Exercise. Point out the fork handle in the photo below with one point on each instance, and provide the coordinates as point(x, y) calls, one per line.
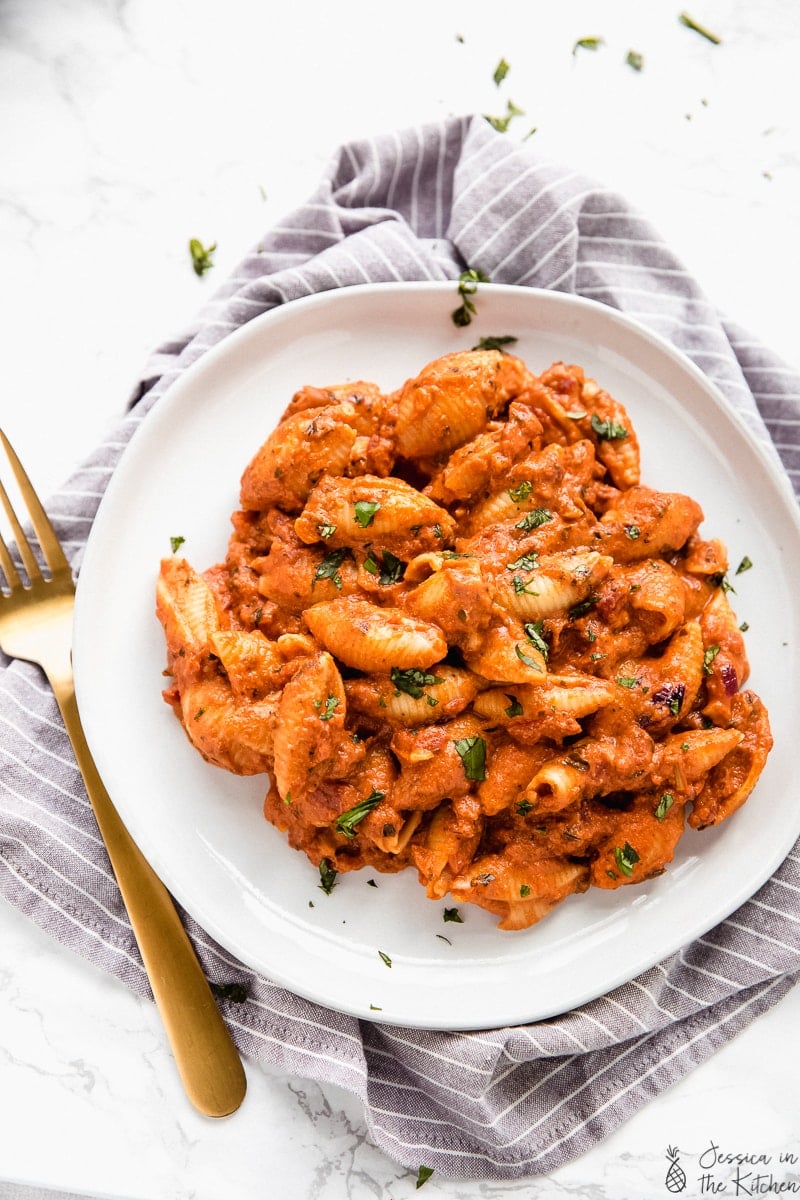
point(206, 1057)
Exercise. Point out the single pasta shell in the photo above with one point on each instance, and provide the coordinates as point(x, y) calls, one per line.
point(310, 720)
point(554, 586)
point(371, 510)
point(452, 398)
point(378, 697)
point(236, 737)
point(586, 696)
point(251, 661)
point(369, 638)
point(186, 607)
point(295, 455)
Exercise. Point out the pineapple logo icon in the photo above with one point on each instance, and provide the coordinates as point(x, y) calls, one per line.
point(676, 1176)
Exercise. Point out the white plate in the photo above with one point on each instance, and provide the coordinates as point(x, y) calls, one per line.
point(203, 829)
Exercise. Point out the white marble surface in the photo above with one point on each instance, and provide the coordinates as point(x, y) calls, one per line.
point(128, 126)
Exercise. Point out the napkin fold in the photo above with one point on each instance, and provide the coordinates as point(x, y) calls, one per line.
point(426, 203)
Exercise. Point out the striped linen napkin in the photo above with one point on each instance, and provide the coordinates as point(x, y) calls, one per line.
point(500, 1104)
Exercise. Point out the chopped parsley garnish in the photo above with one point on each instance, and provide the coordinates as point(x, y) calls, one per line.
point(467, 287)
point(525, 890)
point(626, 858)
point(452, 914)
point(690, 23)
point(521, 491)
point(412, 681)
point(176, 543)
point(525, 562)
point(587, 43)
point(500, 71)
point(202, 256)
point(501, 124)
point(533, 519)
point(635, 60)
point(627, 681)
point(582, 607)
point(744, 565)
point(385, 958)
point(609, 430)
point(472, 752)
point(708, 658)
point(423, 1175)
point(327, 876)
point(494, 343)
point(520, 587)
point(326, 531)
point(331, 704)
point(329, 567)
point(632, 531)
point(388, 571)
point(514, 709)
point(534, 632)
point(347, 821)
point(524, 807)
point(524, 657)
point(364, 511)
point(664, 805)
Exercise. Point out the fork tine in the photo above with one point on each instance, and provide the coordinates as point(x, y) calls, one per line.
point(48, 541)
point(7, 564)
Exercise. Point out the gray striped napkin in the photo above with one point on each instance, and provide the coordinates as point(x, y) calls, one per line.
point(423, 204)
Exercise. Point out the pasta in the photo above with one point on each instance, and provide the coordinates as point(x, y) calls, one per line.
point(459, 634)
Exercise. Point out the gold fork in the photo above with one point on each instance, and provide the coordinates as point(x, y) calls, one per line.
point(36, 624)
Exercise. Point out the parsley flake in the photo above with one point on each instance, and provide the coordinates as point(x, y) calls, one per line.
point(514, 709)
point(423, 1175)
point(412, 681)
point(521, 491)
point(494, 343)
point(331, 704)
point(690, 23)
point(524, 657)
point(525, 562)
point(472, 752)
point(609, 430)
point(347, 821)
point(744, 565)
point(467, 287)
point(176, 543)
point(385, 958)
point(328, 568)
point(364, 511)
point(533, 519)
point(327, 877)
point(588, 43)
point(665, 803)
point(626, 858)
point(534, 632)
point(501, 124)
point(635, 60)
point(452, 914)
point(500, 71)
point(202, 256)
point(708, 658)
point(389, 570)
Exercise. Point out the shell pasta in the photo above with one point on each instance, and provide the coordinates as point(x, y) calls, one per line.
point(458, 634)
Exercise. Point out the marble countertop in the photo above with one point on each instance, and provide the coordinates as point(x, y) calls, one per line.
point(127, 127)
